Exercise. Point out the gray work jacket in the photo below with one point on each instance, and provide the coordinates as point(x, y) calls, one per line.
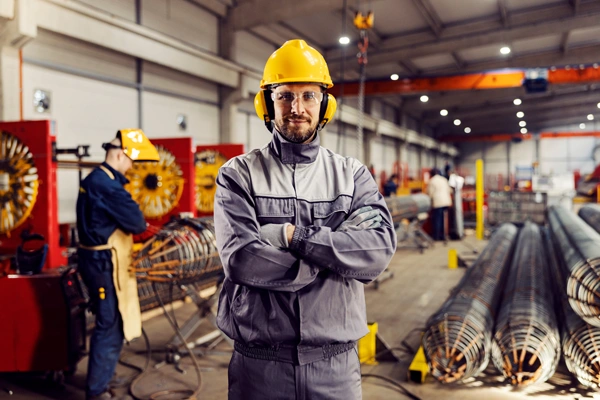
point(312, 293)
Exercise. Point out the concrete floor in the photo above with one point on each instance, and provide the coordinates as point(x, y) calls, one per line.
point(401, 307)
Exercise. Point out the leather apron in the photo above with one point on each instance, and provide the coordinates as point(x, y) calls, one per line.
point(121, 244)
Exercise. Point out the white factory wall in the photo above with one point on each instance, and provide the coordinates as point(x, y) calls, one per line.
point(556, 155)
point(86, 111)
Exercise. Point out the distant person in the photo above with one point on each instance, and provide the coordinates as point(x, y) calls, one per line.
point(447, 170)
point(391, 186)
point(441, 198)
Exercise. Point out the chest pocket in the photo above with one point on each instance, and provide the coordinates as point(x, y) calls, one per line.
point(273, 210)
point(332, 213)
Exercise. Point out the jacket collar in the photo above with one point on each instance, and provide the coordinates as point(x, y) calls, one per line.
point(119, 177)
point(294, 153)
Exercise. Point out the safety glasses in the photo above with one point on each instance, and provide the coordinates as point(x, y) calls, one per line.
point(308, 99)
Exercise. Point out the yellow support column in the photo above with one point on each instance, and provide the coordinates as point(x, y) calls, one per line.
point(479, 198)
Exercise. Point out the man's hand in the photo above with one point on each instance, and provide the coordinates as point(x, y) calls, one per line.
point(363, 218)
point(277, 234)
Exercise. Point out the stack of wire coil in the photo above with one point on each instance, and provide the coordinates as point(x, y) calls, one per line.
point(457, 339)
point(591, 215)
point(408, 207)
point(183, 252)
point(526, 345)
point(578, 246)
point(580, 341)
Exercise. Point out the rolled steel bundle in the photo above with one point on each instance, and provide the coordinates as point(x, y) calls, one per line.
point(591, 215)
point(526, 345)
point(183, 251)
point(578, 246)
point(457, 339)
point(580, 341)
point(408, 207)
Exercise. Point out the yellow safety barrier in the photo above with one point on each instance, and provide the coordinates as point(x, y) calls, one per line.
point(452, 259)
point(418, 369)
point(367, 346)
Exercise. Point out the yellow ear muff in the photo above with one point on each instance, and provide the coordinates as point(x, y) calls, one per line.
point(330, 109)
point(260, 106)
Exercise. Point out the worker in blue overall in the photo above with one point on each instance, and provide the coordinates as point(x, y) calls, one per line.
point(300, 230)
point(107, 217)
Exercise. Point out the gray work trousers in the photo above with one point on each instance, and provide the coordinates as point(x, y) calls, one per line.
point(335, 378)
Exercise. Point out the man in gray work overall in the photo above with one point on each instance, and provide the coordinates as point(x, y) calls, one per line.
point(300, 230)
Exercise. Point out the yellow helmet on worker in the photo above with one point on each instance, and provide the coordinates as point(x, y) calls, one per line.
point(294, 62)
point(135, 145)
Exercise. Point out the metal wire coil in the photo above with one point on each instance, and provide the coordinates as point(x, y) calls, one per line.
point(578, 246)
point(526, 345)
point(457, 339)
point(408, 207)
point(183, 251)
point(580, 340)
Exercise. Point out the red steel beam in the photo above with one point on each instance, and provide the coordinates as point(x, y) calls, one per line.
point(505, 137)
point(475, 81)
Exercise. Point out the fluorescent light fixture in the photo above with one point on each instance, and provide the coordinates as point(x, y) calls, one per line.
point(522, 124)
point(344, 40)
point(457, 122)
point(467, 130)
point(443, 112)
point(590, 117)
point(424, 99)
point(517, 102)
point(505, 50)
point(394, 77)
point(520, 114)
point(523, 130)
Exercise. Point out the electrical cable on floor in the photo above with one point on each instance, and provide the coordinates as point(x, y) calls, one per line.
point(397, 384)
point(187, 394)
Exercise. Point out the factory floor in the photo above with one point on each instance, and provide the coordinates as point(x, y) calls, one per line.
point(400, 306)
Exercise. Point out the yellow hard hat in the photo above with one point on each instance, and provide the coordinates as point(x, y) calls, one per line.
point(137, 146)
point(296, 62)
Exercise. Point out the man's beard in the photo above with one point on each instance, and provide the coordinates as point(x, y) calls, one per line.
point(295, 133)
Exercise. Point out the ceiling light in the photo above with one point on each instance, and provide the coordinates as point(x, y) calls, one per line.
point(467, 130)
point(520, 114)
point(444, 112)
point(505, 50)
point(394, 77)
point(344, 40)
point(424, 99)
point(598, 105)
point(517, 102)
point(457, 122)
point(590, 117)
point(582, 126)
point(523, 130)
point(522, 123)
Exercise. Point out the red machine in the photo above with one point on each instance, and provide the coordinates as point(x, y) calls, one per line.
point(166, 188)
point(209, 158)
point(43, 322)
point(28, 196)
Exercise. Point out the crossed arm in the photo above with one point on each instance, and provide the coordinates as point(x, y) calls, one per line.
point(357, 251)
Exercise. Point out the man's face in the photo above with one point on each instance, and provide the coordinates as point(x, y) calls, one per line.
point(297, 108)
point(125, 163)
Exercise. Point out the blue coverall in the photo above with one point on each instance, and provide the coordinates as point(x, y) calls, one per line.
point(103, 206)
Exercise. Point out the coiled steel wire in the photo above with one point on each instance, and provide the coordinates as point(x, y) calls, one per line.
point(591, 215)
point(457, 339)
point(578, 246)
point(526, 345)
point(580, 341)
point(183, 252)
point(408, 207)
